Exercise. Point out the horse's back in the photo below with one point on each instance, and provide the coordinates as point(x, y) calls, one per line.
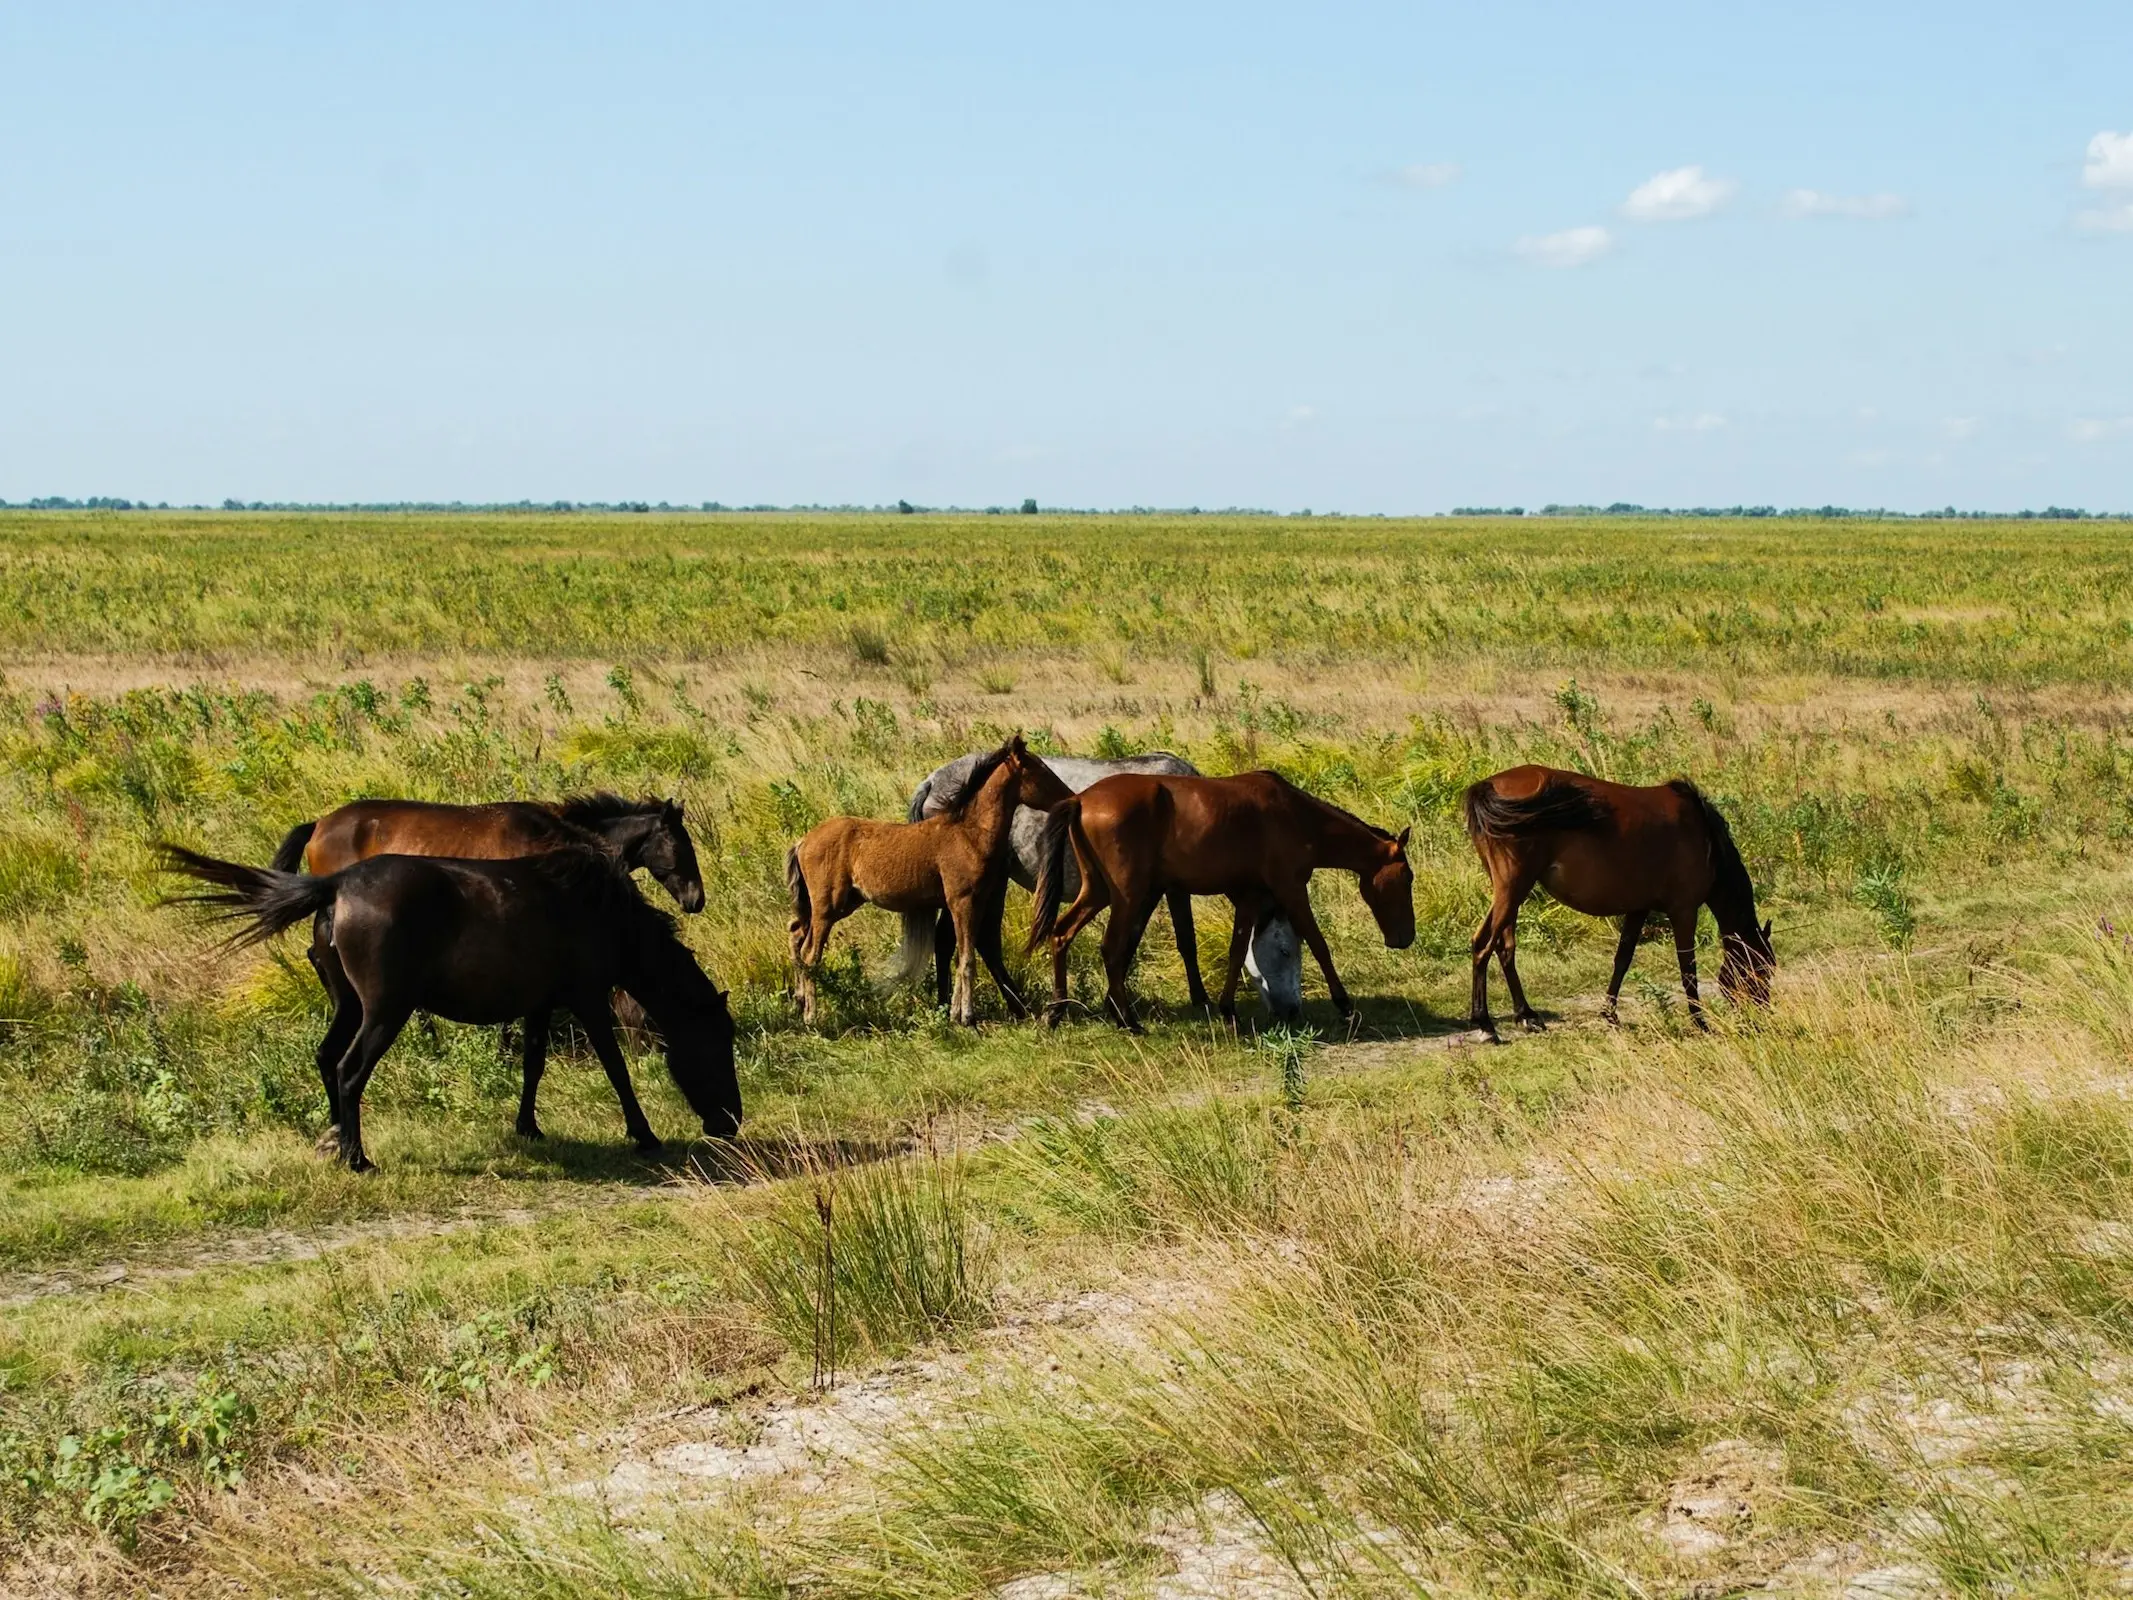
point(365, 828)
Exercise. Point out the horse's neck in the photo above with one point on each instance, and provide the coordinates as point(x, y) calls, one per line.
point(624, 835)
point(991, 811)
point(1340, 842)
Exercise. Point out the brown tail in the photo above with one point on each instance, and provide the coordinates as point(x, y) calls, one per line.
point(1051, 870)
point(1557, 808)
point(803, 905)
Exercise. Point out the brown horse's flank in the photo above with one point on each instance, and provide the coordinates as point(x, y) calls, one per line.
point(954, 861)
point(1255, 838)
point(1612, 850)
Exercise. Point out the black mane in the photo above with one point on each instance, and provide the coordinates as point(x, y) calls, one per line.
point(1733, 886)
point(955, 801)
point(590, 810)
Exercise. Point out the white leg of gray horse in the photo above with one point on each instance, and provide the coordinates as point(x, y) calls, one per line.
point(1275, 961)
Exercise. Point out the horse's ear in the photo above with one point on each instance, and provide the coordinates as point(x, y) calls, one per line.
point(673, 810)
point(1402, 840)
point(1766, 933)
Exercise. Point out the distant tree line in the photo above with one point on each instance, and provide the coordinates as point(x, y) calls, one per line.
point(1620, 508)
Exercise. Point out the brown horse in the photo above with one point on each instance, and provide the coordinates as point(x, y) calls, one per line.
point(954, 861)
point(1255, 838)
point(640, 833)
point(1612, 850)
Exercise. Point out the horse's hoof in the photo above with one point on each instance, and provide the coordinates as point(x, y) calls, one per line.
point(646, 1143)
point(1532, 1023)
point(530, 1130)
point(359, 1162)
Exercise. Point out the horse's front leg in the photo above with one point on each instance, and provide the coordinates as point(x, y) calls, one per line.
point(1684, 924)
point(1188, 946)
point(990, 911)
point(599, 1024)
point(1240, 938)
point(963, 1007)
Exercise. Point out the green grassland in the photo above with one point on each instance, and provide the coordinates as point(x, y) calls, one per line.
point(1860, 1263)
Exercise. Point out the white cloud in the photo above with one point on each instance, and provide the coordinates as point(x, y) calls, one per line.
point(1960, 428)
point(2110, 163)
point(2087, 430)
point(1300, 417)
point(1804, 203)
point(2115, 218)
point(1677, 196)
point(1702, 422)
point(1427, 175)
point(1573, 247)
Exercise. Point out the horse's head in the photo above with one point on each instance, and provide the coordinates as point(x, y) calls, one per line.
point(1749, 961)
point(1389, 891)
point(699, 1039)
point(668, 853)
point(1036, 785)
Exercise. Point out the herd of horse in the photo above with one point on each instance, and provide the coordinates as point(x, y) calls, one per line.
point(494, 914)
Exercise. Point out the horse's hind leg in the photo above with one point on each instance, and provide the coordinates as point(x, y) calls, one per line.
point(347, 1016)
point(599, 1024)
point(1684, 923)
point(1625, 952)
point(381, 1026)
point(1507, 953)
point(1188, 946)
point(1122, 938)
point(1500, 925)
point(529, 1126)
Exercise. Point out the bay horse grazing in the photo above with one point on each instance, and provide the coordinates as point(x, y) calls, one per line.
point(485, 942)
point(641, 833)
point(1275, 960)
point(954, 862)
point(1255, 838)
point(1612, 850)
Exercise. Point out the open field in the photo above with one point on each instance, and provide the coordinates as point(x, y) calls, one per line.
point(1836, 1301)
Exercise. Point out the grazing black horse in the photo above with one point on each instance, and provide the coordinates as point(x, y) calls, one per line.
point(486, 942)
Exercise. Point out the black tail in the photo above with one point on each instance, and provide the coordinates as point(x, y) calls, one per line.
point(1558, 808)
point(1051, 871)
point(269, 900)
point(290, 857)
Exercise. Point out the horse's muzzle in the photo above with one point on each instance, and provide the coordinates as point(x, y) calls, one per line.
point(691, 897)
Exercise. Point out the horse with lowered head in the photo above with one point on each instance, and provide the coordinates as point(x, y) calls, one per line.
point(1274, 959)
point(485, 942)
point(1255, 838)
point(1612, 850)
point(954, 863)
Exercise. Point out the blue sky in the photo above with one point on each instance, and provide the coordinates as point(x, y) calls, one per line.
point(1346, 257)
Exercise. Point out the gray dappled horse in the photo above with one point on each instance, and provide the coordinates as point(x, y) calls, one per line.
point(1275, 959)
